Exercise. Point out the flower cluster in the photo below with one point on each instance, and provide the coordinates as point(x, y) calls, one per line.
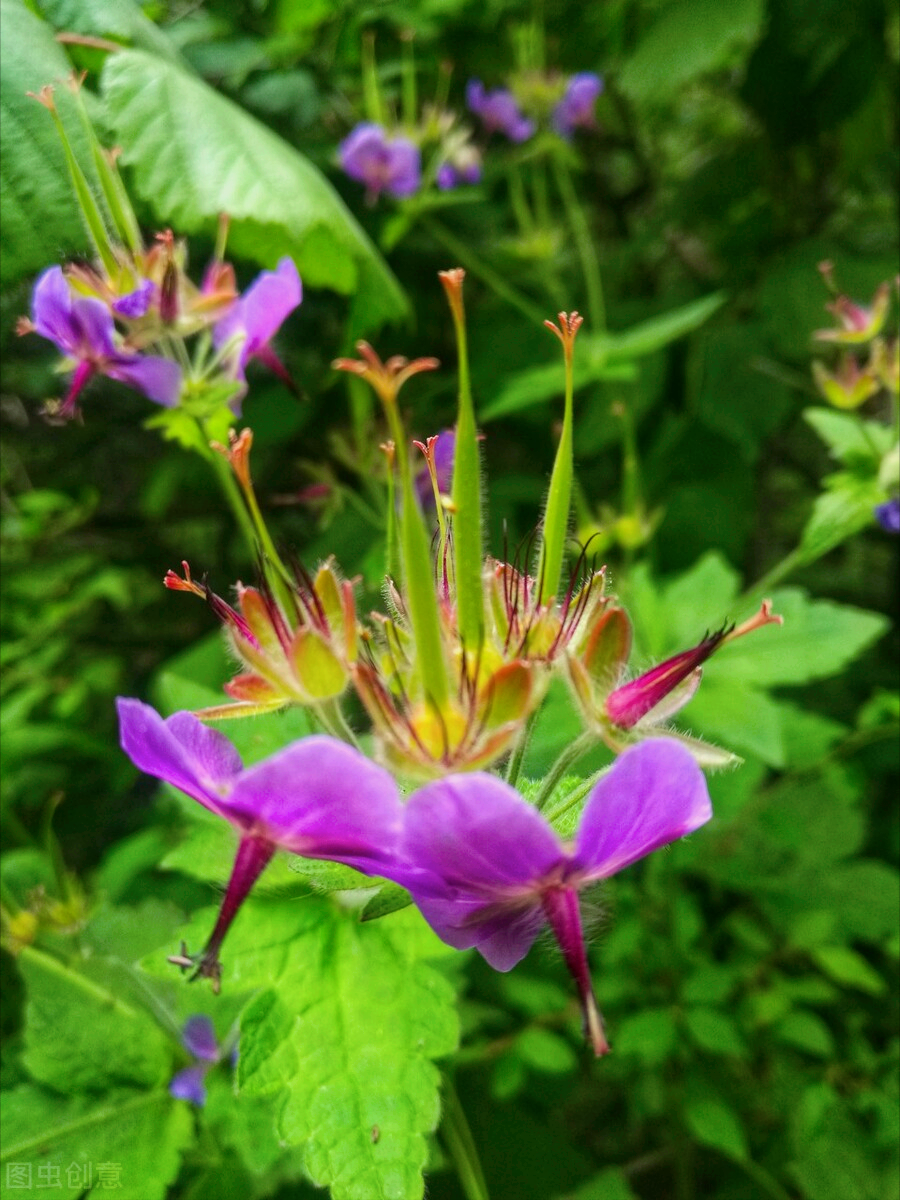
point(450, 675)
point(484, 867)
point(129, 314)
point(534, 99)
point(390, 161)
point(853, 380)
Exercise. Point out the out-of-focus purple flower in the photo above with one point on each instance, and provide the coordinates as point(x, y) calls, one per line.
point(199, 1039)
point(576, 109)
point(383, 164)
point(82, 328)
point(317, 797)
point(256, 317)
point(486, 869)
point(888, 515)
point(137, 303)
point(498, 111)
point(452, 174)
point(442, 451)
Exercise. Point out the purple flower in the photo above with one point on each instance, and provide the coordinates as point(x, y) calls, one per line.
point(383, 164)
point(888, 515)
point(317, 797)
point(199, 1039)
point(442, 451)
point(256, 317)
point(137, 303)
point(499, 111)
point(462, 169)
point(487, 870)
point(82, 327)
point(576, 109)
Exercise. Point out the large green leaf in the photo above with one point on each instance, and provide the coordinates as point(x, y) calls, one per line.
point(194, 155)
point(40, 220)
point(343, 1032)
point(128, 1142)
point(122, 20)
point(80, 1036)
point(690, 38)
point(601, 356)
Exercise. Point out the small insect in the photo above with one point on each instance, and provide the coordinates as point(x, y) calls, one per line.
point(376, 1133)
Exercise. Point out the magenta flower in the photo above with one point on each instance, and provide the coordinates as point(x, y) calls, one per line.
point(256, 317)
point(82, 328)
point(487, 870)
point(498, 111)
point(199, 1039)
point(383, 164)
point(317, 797)
point(576, 109)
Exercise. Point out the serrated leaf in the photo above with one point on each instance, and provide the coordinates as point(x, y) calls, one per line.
point(138, 1136)
point(120, 19)
point(608, 356)
point(79, 1036)
point(842, 510)
point(850, 438)
point(40, 220)
point(818, 639)
point(344, 1031)
point(716, 1125)
point(194, 155)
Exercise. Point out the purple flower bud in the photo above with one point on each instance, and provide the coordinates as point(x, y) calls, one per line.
point(135, 304)
point(487, 870)
point(576, 109)
point(82, 328)
point(383, 164)
point(498, 111)
point(888, 515)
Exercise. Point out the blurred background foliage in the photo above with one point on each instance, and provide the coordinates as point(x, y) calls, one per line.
point(749, 977)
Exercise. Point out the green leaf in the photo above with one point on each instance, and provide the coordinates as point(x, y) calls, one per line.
point(120, 19)
point(133, 1139)
point(716, 1125)
point(344, 1032)
point(842, 510)
point(689, 39)
point(609, 1184)
point(806, 1031)
point(195, 155)
point(714, 1030)
point(546, 1051)
point(388, 899)
point(79, 1036)
point(651, 1035)
point(741, 717)
point(606, 356)
point(849, 437)
point(845, 966)
point(40, 220)
point(818, 639)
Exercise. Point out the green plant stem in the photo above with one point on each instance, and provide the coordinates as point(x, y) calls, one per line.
point(332, 717)
point(574, 797)
point(514, 766)
point(584, 245)
point(459, 1141)
point(232, 494)
point(796, 558)
point(477, 267)
point(570, 755)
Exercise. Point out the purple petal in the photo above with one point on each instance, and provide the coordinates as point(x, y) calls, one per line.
point(320, 798)
point(81, 326)
point(199, 1038)
point(189, 1085)
point(653, 794)
point(180, 750)
point(260, 312)
point(888, 515)
point(135, 304)
point(479, 838)
point(158, 378)
point(511, 940)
